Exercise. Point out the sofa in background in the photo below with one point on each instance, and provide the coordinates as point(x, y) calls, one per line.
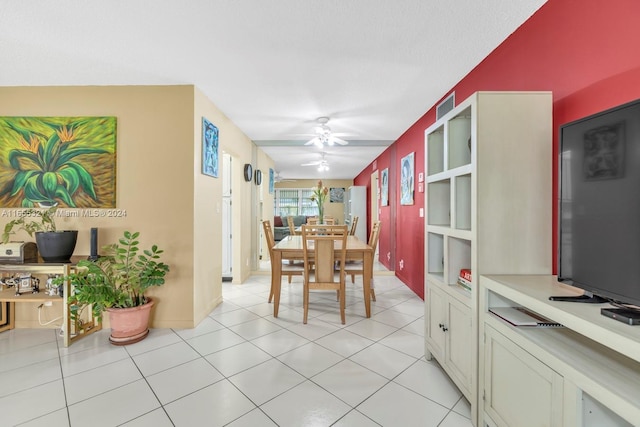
point(281, 228)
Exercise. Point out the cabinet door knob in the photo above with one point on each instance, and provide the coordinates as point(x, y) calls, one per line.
point(440, 325)
point(444, 329)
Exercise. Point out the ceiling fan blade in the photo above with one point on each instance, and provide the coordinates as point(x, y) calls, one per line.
point(315, 140)
point(312, 163)
point(336, 140)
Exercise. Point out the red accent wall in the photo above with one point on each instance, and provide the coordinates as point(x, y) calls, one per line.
point(585, 51)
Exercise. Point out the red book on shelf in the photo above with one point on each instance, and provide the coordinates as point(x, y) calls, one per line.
point(465, 273)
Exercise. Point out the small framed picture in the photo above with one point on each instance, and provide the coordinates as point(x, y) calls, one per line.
point(384, 188)
point(406, 179)
point(209, 148)
point(336, 195)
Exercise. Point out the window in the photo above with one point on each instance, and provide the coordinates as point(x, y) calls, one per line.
point(294, 201)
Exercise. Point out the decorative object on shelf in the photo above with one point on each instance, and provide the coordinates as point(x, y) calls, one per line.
point(116, 283)
point(58, 160)
point(94, 245)
point(23, 283)
point(54, 245)
point(406, 180)
point(258, 177)
point(209, 148)
point(272, 180)
point(319, 196)
point(384, 188)
point(26, 283)
point(336, 195)
point(18, 252)
point(248, 172)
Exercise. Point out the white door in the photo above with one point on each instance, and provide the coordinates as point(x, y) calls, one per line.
point(375, 204)
point(226, 218)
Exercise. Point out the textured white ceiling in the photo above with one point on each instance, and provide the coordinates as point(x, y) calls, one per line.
point(272, 66)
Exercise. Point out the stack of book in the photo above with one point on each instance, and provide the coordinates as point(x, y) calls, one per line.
point(464, 279)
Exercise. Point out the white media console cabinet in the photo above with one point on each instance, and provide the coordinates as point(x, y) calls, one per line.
point(586, 373)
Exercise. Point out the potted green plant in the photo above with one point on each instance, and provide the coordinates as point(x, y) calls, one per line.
point(54, 245)
point(116, 282)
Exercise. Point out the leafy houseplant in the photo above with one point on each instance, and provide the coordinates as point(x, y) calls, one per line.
point(118, 280)
point(54, 245)
point(41, 220)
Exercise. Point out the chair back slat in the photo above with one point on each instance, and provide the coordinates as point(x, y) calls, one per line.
point(374, 236)
point(292, 226)
point(268, 234)
point(354, 225)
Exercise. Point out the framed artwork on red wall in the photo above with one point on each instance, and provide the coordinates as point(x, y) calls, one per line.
point(384, 188)
point(406, 179)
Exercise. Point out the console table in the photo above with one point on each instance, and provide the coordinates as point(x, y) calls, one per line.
point(72, 331)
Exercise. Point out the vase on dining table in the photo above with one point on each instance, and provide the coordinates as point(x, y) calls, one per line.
point(320, 214)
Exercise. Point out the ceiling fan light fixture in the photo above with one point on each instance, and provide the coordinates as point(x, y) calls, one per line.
point(324, 135)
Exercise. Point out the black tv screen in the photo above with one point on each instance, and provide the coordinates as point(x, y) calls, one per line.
point(599, 204)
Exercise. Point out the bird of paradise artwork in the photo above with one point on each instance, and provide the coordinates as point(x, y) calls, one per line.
point(58, 161)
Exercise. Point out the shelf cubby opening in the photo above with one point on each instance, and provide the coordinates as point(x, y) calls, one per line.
point(463, 202)
point(459, 139)
point(435, 154)
point(439, 203)
point(459, 257)
point(435, 263)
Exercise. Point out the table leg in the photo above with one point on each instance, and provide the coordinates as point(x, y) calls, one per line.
point(8, 316)
point(367, 274)
point(276, 280)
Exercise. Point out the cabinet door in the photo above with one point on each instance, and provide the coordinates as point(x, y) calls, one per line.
point(460, 344)
point(437, 308)
point(519, 389)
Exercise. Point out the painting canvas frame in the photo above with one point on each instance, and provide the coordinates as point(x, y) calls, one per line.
point(272, 180)
point(210, 145)
point(407, 168)
point(384, 187)
point(336, 195)
point(58, 161)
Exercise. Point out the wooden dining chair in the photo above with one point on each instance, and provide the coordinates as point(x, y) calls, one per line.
point(312, 220)
point(324, 247)
point(357, 267)
point(288, 268)
point(292, 226)
point(354, 225)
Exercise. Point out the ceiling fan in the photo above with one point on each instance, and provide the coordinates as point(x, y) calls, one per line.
point(324, 136)
point(322, 164)
point(278, 178)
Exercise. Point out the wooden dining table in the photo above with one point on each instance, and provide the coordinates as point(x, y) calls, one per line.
point(290, 248)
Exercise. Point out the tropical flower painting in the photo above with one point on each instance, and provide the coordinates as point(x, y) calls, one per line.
point(58, 161)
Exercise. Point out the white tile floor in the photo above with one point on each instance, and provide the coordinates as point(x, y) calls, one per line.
point(241, 367)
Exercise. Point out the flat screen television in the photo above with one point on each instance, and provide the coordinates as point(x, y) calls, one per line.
point(599, 204)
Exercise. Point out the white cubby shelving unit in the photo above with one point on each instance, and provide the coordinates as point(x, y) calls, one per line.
point(488, 208)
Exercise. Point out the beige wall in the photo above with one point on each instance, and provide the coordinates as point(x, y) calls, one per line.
point(159, 186)
point(266, 201)
point(335, 210)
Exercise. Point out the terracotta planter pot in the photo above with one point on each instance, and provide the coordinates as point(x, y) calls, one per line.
point(129, 325)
